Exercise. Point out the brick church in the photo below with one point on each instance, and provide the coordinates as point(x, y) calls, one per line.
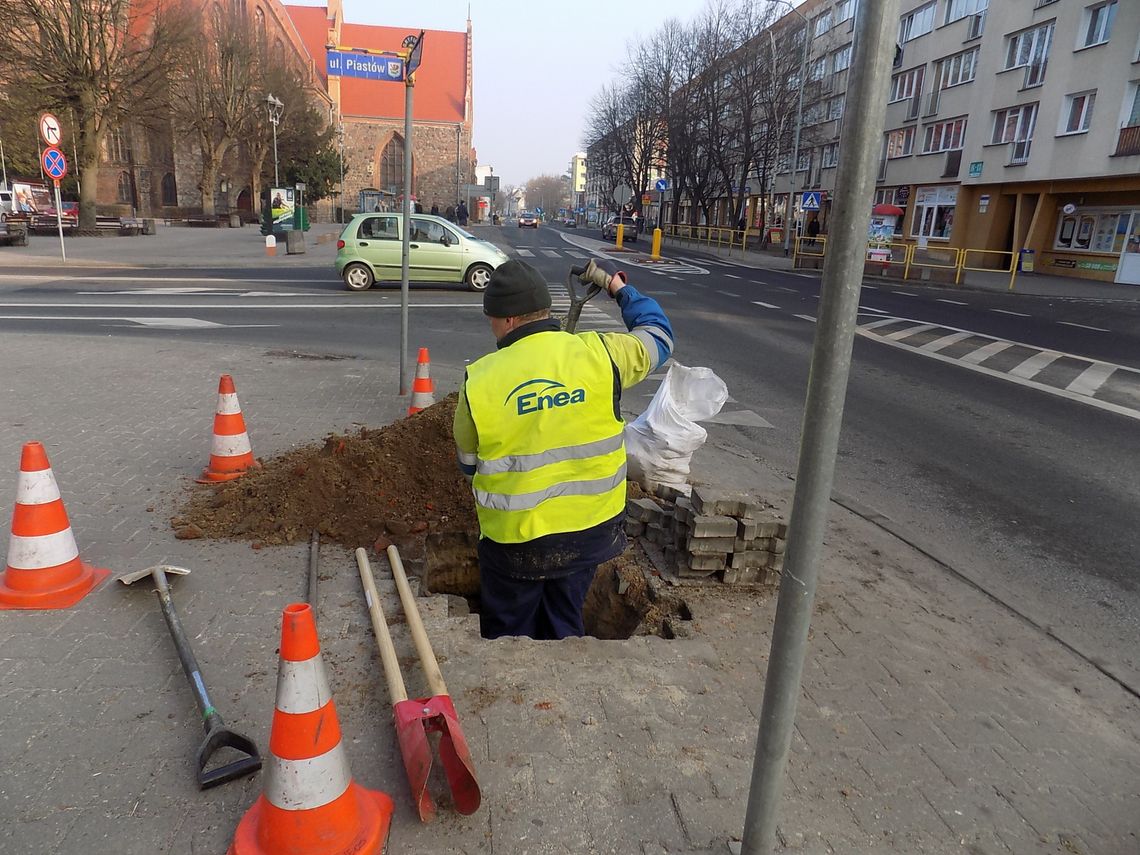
point(155, 172)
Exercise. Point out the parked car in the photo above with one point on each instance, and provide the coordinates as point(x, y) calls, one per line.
point(609, 229)
point(370, 247)
point(7, 204)
point(571, 223)
point(528, 220)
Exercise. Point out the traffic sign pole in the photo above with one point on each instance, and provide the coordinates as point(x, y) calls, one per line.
point(54, 163)
point(59, 220)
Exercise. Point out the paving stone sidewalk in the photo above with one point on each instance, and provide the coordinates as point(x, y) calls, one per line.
point(931, 721)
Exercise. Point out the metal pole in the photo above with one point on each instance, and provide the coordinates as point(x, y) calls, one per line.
point(796, 137)
point(458, 134)
point(823, 415)
point(59, 220)
point(276, 174)
point(405, 253)
point(3, 163)
point(341, 135)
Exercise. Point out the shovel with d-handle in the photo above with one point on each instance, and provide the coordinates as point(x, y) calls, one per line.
point(218, 736)
point(415, 719)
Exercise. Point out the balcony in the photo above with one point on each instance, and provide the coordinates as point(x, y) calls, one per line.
point(1019, 152)
point(1129, 142)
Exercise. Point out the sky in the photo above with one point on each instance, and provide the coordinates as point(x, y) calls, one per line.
point(537, 64)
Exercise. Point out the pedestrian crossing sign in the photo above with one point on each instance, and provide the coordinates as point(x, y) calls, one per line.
point(810, 201)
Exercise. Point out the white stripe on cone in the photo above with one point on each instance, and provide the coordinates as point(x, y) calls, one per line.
point(230, 446)
point(228, 404)
point(36, 488)
point(42, 551)
point(302, 687)
point(307, 784)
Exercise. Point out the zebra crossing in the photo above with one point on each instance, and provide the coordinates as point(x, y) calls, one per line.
point(593, 317)
point(1104, 385)
point(549, 252)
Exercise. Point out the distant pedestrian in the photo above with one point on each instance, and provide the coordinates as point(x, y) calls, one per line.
point(813, 231)
point(434, 209)
point(461, 214)
point(418, 208)
point(450, 213)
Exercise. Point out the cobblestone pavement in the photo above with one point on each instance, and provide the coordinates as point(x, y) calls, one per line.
point(931, 721)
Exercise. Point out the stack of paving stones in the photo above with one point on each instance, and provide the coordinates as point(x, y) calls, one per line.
point(711, 534)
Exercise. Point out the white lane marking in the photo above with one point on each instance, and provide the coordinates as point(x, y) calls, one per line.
point(732, 276)
point(699, 261)
point(574, 254)
point(525, 253)
point(1083, 326)
point(1035, 364)
point(551, 253)
point(985, 352)
point(698, 284)
point(951, 302)
point(270, 294)
point(873, 309)
point(1001, 375)
point(268, 307)
point(1008, 312)
point(159, 291)
point(944, 342)
point(874, 325)
point(765, 305)
point(163, 323)
point(728, 293)
point(785, 288)
point(905, 293)
point(679, 279)
point(745, 418)
point(898, 335)
point(870, 287)
point(805, 318)
point(1091, 379)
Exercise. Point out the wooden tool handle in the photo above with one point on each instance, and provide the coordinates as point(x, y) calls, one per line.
point(419, 634)
point(387, 650)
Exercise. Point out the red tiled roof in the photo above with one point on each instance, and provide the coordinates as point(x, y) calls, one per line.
point(441, 82)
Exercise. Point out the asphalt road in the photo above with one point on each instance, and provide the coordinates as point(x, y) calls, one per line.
point(1029, 489)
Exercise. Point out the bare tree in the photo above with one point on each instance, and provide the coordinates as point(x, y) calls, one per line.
point(549, 192)
point(98, 60)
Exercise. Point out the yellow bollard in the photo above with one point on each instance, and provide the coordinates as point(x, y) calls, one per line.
point(620, 234)
point(656, 253)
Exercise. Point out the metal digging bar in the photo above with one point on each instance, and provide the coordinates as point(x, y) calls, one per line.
point(218, 736)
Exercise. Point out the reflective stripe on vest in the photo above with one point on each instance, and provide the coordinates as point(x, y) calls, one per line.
point(551, 455)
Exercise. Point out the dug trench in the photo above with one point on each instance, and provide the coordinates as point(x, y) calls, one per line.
point(399, 484)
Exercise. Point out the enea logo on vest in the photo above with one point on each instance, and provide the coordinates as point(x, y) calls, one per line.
point(543, 399)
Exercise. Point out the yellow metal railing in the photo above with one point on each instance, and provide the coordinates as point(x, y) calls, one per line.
point(808, 247)
point(710, 236)
point(933, 258)
point(980, 256)
point(888, 255)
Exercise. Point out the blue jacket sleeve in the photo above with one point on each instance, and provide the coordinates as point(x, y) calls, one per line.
point(644, 318)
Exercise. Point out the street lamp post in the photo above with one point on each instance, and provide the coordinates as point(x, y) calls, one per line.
point(276, 107)
point(340, 139)
point(799, 123)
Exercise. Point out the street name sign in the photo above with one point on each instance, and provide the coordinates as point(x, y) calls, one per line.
point(348, 64)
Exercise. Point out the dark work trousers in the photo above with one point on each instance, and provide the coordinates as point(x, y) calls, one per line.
point(545, 609)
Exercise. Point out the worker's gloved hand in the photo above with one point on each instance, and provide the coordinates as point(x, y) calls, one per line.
point(594, 275)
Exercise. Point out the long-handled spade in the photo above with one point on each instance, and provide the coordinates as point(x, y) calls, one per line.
point(415, 719)
point(217, 734)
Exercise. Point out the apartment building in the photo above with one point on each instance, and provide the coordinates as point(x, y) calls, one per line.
point(577, 173)
point(1011, 124)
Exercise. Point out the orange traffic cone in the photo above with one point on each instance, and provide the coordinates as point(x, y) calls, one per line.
point(44, 570)
point(231, 454)
point(311, 805)
point(423, 389)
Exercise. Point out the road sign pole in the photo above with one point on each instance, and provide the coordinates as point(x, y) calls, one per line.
point(59, 220)
point(823, 416)
point(405, 252)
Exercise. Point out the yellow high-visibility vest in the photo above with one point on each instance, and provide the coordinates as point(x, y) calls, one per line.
point(551, 454)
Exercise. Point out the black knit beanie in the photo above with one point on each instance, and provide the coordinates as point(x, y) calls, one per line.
point(515, 289)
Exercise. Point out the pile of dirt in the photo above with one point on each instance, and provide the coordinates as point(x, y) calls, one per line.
point(397, 480)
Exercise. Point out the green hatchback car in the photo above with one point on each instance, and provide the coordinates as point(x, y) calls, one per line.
point(369, 251)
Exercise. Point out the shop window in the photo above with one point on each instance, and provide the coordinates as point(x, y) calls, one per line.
point(1092, 231)
point(934, 212)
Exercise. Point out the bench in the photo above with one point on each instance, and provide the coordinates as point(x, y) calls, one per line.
point(125, 226)
point(206, 222)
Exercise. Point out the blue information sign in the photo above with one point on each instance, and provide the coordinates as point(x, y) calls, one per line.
point(662, 185)
point(811, 200)
point(346, 64)
point(54, 163)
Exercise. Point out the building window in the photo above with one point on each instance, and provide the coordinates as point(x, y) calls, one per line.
point(119, 147)
point(169, 190)
point(1098, 20)
point(1030, 49)
point(392, 164)
point(803, 162)
point(835, 108)
point(958, 9)
point(126, 186)
point(906, 84)
point(1078, 113)
point(1092, 231)
point(885, 196)
point(917, 23)
point(822, 24)
point(944, 136)
point(1131, 117)
point(1015, 125)
point(900, 143)
point(844, 11)
point(259, 25)
point(830, 156)
point(934, 212)
point(841, 59)
point(959, 68)
point(817, 69)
